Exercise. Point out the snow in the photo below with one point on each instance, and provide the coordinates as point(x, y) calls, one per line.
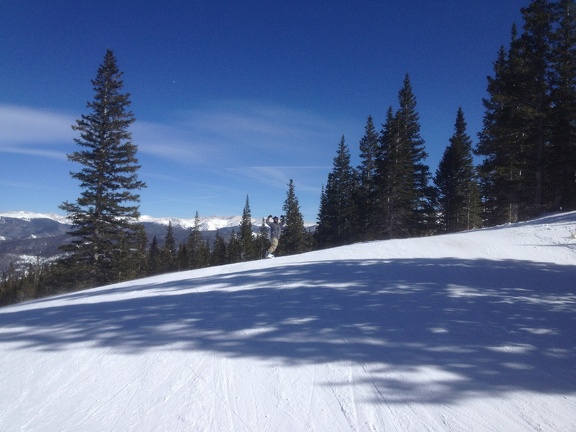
point(466, 332)
point(211, 223)
point(26, 215)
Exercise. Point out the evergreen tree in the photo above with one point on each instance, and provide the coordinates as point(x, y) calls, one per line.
point(562, 159)
point(183, 258)
point(324, 222)
point(338, 218)
point(499, 176)
point(169, 252)
point(456, 183)
point(234, 249)
point(535, 45)
point(422, 219)
point(246, 238)
point(104, 217)
point(203, 254)
point(219, 256)
point(403, 198)
point(367, 174)
point(294, 235)
point(198, 251)
point(154, 259)
point(133, 262)
point(388, 181)
point(515, 138)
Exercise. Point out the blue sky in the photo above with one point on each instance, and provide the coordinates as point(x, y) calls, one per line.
point(235, 98)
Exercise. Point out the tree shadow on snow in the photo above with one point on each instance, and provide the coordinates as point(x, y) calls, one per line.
point(482, 326)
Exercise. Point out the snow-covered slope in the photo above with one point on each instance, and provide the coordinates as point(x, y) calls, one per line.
point(466, 332)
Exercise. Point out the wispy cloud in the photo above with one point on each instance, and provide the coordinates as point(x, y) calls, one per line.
point(226, 133)
point(263, 143)
point(308, 177)
point(203, 158)
point(31, 131)
point(260, 125)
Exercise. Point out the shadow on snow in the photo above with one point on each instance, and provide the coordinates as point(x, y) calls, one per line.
point(486, 326)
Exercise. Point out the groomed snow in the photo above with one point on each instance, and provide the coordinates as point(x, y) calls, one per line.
point(468, 332)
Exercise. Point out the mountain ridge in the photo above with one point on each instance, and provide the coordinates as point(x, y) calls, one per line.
point(30, 238)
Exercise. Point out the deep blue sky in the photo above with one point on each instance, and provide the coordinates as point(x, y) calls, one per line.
point(234, 98)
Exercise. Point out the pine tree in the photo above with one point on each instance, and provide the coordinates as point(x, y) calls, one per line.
point(219, 256)
point(234, 248)
point(294, 235)
point(133, 262)
point(196, 246)
point(246, 238)
point(104, 217)
point(169, 252)
point(562, 160)
point(203, 254)
point(367, 175)
point(387, 182)
point(154, 265)
point(408, 122)
point(456, 183)
point(498, 138)
point(403, 199)
point(324, 222)
point(338, 218)
point(535, 44)
point(516, 174)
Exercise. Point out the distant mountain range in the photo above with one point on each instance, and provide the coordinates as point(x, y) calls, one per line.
point(27, 237)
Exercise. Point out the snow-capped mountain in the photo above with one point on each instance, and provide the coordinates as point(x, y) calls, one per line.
point(27, 216)
point(27, 237)
point(211, 223)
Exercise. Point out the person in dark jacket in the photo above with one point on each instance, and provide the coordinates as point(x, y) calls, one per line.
point(275, 233)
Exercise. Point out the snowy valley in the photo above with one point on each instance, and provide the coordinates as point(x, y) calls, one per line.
point(28, 238)
point(466, 332)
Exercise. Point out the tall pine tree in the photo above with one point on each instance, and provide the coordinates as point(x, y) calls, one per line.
point(562, 159)
point(499, 173)
point(458, 197)
point(294, 235)
point(105, 216)
point(403, 198)
point(338, 216)
point(246, 239)
point(366, 180)
point(528, 136)
point(169, 251)
point(198, 250)
point(534, 107)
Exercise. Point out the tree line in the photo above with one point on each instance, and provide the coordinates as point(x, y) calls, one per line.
point(527, 149)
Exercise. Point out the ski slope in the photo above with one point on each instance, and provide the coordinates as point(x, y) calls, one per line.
point(468, 332)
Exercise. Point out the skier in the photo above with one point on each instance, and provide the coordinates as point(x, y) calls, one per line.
point(275, 232)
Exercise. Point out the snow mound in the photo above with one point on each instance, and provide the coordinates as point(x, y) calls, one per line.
point(470, 331)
